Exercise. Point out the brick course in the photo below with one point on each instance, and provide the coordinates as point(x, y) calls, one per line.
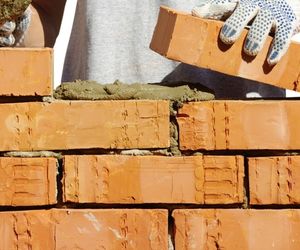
point(153, 179)
point(239, 125)
point(85, 229)
point(115, 185)
point(63, 125)
point(236, 229)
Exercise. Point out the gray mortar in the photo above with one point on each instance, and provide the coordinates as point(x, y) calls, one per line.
point(198, 154)
point(91, 90)
point(30, 154)
point(174, 145)
point(135, 152)
point(12, 9)
point(48, 99)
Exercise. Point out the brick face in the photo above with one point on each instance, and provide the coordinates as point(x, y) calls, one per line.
point(244, 125)
point(153, 179)
point(119, 183)
point(274, 180)
point(237, 229)
point(182, 37)
point(27, 181)
point(26, 72)
point(85, 229)
point(65, 125)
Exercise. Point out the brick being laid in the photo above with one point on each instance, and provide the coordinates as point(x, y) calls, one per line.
point(237, 229)
point(153, 179)
point(26, 71)
point(63, 125)
point(85, 229)
point(27, 181)
point(274, 180)
point(239, 125)
point(181, 37)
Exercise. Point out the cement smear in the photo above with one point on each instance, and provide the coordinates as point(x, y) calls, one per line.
point(174, 138)
point(91, 90)
point(30, 154)
point(11, 9)
point(136, 152)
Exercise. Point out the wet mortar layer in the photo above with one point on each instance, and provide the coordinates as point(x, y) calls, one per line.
point(91, 90)
point(12, 9)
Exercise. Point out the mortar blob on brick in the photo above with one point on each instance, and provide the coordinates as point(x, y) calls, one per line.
point(12, 9)
point(91, 90)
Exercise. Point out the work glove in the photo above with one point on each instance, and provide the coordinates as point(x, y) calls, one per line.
point(12, 33)
point(279, 16)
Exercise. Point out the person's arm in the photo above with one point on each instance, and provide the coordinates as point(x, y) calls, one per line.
point(45, 23)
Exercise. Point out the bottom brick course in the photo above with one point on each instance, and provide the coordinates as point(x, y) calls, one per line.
point(85, 229)
point(237, 229)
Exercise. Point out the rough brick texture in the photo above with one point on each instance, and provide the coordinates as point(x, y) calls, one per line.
point(85, 229)
point(274, 180)
point(153, 179)
point(84, 124)
point(182, 37)
point(27, 181)
point(237, 229)
point(220, 125)
point(26, 72)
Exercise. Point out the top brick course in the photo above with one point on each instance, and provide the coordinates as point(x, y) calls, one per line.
point(234, 125)
point(182, 37)
point(64, 125)
point(26, 72)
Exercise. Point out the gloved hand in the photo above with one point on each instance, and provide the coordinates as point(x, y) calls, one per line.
point(12, 32)
point(281, 16)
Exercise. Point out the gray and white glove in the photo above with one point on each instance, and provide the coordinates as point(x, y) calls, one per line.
point(280, 16)
point(12, 33)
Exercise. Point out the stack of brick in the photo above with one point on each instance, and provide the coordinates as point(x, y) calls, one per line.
point(92, 175)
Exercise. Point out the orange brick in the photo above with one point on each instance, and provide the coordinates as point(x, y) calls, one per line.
point(274, 180)
point(85, 229)
point(237, 229)
point(182, 37)
point(26, 72)
point(220, 125)
point(153, 179)
point(84, 124)
point(27, 181)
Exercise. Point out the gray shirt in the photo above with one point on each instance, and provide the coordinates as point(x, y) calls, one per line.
point(110, 40)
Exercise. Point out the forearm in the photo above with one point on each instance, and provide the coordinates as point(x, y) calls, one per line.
point(45, 23)
point(52, 9)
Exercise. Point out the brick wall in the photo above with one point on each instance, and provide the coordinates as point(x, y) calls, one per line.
point(102, 174)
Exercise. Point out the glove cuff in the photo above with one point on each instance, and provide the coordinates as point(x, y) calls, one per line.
point(22, 24)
